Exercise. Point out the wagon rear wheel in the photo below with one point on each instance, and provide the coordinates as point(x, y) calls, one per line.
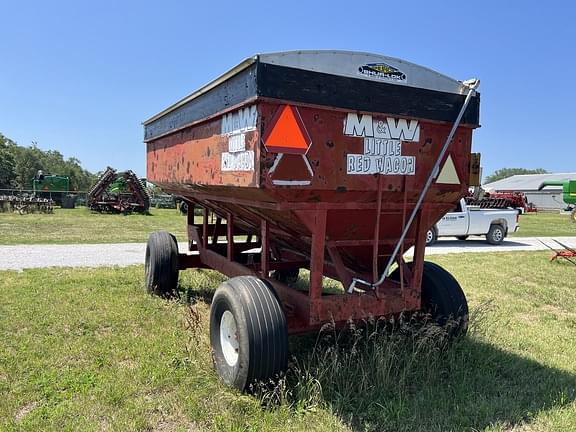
point(442, 299)
point(289, 276)
point(248, 332)
point(161, 265)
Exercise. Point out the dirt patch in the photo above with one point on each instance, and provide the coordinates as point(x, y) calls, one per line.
point(170, 425)
point(127, 364)
point(25, 410)
point(558, 312)
point(529, 318)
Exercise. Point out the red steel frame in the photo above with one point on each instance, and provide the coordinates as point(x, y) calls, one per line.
point(340, 226)
point(305, 311)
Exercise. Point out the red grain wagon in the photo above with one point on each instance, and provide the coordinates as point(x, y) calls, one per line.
point(336, 162)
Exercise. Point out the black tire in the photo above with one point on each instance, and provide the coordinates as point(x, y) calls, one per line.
point(462, 238)
point(161, 265)
point(260, 351)
point(183, 208)
point(496, 234)
point(442, 299)
point(289, 277)
point(431, 236)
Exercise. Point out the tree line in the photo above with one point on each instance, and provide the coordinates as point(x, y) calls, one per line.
point(503, 173)
point(19, 165)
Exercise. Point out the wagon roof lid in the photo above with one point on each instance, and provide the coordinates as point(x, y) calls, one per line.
point(352, 64)
point(362, 65)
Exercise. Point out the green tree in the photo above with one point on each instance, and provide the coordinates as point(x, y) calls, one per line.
point(27, 164)
point(7, 164)
point(19, 165)
point(509, 172)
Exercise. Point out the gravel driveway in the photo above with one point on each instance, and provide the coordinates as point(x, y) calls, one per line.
point(21, 257)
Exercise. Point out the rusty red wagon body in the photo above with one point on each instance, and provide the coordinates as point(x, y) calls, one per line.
point(336, 162)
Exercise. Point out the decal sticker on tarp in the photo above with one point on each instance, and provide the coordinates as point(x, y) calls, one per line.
point(382, 71)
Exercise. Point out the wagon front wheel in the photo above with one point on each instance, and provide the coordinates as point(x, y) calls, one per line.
point(248, 332)
point(161, 265)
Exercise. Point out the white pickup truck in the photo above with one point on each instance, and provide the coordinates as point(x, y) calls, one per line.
point(465, 221)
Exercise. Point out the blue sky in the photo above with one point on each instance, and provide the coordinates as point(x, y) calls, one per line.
point(80, 77)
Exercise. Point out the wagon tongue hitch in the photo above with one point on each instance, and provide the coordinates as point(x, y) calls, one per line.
point(471, 86)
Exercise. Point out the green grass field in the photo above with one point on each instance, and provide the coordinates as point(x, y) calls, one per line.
point(82, 226)
point(89, 350)
point(545, 224)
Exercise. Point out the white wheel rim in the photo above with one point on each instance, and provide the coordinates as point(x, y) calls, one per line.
point(229, 338)
point(429, 236)
point(497, 234)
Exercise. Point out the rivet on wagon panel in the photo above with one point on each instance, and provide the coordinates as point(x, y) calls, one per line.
point(332, 161)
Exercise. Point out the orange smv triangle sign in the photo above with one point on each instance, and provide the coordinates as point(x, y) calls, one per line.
point(288, 133)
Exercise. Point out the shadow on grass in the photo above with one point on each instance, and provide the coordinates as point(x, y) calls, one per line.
point(413, 383)
point(198, 286)
point(410, 379)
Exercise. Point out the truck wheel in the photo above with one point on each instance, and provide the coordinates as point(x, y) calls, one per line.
point(248, 332)
point(288, 277)
point(462, 238)
point(496, 234)
point(431, 236)
point(161, 265)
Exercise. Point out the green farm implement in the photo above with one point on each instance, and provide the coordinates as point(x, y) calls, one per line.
point(568, 193)
point(118, 193)
point(51, 187)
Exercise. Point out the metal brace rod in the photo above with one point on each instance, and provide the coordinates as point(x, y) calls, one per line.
point(472, 85)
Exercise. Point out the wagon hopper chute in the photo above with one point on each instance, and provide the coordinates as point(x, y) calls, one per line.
point(337, 162)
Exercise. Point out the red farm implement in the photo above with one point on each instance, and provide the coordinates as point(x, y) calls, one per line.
point(335, 162)
point(566, 252)
point(501, 200)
